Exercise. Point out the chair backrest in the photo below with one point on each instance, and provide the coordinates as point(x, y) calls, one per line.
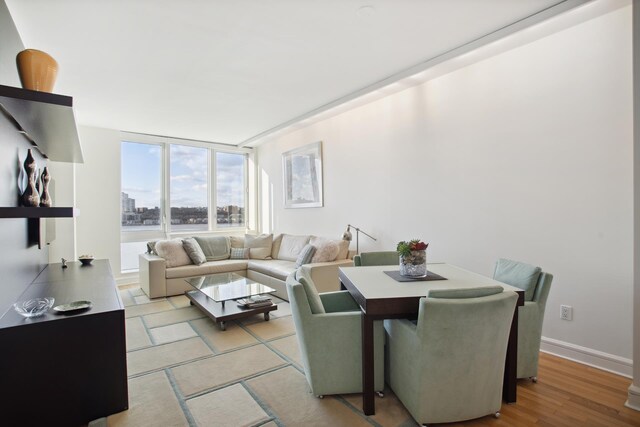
point(463, 342)
point(535, 282)
point(301, 313)
point(376, 258)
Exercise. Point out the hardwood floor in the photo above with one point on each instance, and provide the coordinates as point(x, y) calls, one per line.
point(567, 394)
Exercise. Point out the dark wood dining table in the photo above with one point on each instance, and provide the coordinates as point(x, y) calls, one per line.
point(382, 297)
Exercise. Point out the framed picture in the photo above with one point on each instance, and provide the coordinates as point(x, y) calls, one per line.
point(302, 175)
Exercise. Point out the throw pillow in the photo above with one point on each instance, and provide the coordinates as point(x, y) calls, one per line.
point(326, 250)
point(315, 303)
point(343, 246)
point(239, 253)
point(151, 247)
point(214, 248)
point(518, 274)
point(173, 253)
point(260, 245)
point(194, 251)
point(290, 246)
point(305, 255)
point(237, 242)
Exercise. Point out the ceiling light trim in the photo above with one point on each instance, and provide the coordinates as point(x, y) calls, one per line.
point(481, 41)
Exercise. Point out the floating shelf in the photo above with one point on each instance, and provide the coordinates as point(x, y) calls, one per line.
point(45, 119)
point(42, 212)
point(34, 216)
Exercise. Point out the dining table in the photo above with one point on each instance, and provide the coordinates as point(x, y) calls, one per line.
point(380, 296)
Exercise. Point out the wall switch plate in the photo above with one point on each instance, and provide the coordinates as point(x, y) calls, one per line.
point(566, 312)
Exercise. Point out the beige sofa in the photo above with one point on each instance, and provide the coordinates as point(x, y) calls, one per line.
point(156, 280)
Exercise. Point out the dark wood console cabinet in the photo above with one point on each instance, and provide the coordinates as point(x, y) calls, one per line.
point(65, 369)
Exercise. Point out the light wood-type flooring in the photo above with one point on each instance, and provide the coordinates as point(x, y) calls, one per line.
point(567, 394)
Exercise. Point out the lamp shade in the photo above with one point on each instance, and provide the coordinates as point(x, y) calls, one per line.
point(347, 234)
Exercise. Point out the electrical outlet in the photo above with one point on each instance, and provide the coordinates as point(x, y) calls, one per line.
point(566, 312)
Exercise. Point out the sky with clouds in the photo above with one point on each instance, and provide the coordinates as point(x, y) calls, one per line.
point(142, 175)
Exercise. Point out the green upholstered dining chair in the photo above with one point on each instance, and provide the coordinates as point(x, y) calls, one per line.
point(449, 365)
point(329, 333)
point(536, 285)
point(376, 258)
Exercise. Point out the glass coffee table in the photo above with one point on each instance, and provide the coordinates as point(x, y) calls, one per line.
point(210, 293)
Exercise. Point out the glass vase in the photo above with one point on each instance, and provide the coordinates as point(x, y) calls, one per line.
point(414, 264)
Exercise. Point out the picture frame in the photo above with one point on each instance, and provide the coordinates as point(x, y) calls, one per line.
point(302, 176)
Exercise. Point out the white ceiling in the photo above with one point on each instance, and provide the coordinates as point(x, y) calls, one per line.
point(226, 71)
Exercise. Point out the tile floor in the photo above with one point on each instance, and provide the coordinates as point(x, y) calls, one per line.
point(184, 371)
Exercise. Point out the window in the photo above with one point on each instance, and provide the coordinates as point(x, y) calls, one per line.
point(170, 189)
point(230, 189)
point(141, 196)
point(189, 167)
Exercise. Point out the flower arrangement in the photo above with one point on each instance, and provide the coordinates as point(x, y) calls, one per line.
point(405, 248)
point(413, 258)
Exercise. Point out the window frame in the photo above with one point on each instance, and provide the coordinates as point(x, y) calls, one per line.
point(165, 232)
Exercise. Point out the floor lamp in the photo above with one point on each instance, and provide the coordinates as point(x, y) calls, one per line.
point(349, 237)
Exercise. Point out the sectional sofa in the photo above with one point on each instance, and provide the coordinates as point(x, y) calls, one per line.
point(266, 259)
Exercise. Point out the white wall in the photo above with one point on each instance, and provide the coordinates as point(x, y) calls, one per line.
point(98, 195)
point(526, 155)
point(61, 232)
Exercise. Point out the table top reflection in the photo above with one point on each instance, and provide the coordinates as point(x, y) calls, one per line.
point(228, 286)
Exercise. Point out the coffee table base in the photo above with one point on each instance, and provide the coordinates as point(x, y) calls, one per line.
point(220, 313)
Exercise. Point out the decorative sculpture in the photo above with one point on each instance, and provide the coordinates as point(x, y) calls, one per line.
point(45, 198)
point(30, 196)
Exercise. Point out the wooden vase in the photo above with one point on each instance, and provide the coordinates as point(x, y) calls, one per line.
point(37, 70)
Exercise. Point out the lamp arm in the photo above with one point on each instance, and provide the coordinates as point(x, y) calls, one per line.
point(360, 231)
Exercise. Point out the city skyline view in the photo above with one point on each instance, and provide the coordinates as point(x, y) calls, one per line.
point(142, 176)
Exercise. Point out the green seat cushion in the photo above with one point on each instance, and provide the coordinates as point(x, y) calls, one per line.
point(518, 274)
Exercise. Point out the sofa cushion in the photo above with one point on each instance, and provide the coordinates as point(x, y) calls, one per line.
point(237, 241)
point(305, 255)
point(172, 252)
point(214, 247)
point(291, 246)
point(194, 251)
point(260, 246)
point(279, 269)
point(275, 246)
point(212, 267)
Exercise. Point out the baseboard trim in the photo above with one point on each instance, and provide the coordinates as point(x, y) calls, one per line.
point(633, 400)
point(127, 279)
point(587, 356)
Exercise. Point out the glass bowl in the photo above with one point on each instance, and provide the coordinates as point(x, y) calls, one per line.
point(34, 307)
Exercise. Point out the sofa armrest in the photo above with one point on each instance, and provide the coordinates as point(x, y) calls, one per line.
point(152, 271)
point(325, 274)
